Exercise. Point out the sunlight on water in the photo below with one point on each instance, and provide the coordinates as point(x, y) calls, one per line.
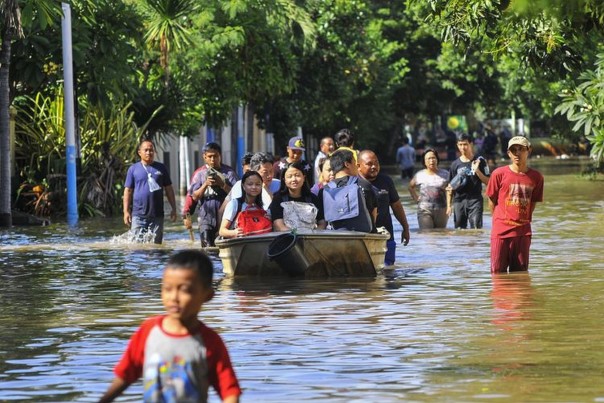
point(435, 327)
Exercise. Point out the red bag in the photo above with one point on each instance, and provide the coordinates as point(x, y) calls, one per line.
point(254, 221)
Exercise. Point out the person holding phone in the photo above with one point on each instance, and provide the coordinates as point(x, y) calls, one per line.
point(210, 185)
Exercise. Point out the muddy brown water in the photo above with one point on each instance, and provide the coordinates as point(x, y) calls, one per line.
point(437, 328)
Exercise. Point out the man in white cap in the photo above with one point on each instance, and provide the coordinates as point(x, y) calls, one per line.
point(295, 149)
point(513, 191)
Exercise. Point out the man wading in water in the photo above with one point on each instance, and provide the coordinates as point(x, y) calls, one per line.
point(513, 191)
point(144, 190)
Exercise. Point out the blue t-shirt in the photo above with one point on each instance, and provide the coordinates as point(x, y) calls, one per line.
point(146, 203)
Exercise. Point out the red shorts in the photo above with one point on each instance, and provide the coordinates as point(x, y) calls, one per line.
point(510, 252)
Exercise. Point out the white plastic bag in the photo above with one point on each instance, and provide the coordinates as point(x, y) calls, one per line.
point(299, 215)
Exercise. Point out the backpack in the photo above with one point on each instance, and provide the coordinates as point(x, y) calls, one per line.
point(252, 221)
point(345, 206)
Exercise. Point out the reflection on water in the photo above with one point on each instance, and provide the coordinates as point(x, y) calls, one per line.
point(512, 299)
point(437, 327)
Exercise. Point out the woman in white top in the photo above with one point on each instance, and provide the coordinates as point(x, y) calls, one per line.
point(432, 197)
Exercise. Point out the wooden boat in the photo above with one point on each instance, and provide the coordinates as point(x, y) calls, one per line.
point(317, 253)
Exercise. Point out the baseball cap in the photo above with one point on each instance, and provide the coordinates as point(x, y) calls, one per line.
point(520, 140)
point(296, 143)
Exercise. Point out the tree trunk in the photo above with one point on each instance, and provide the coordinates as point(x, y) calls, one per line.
point(5, 160)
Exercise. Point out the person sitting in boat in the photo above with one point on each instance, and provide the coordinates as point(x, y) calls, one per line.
point(262, 163)
point(359, 209)
point(245, 215)
point(325, 177)
point(295, 206)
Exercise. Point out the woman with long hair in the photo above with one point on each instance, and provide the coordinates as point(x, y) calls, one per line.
point(249, 203)
point(294, 188)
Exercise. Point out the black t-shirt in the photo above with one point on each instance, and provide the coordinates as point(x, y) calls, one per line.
point(277, 211)
point(473, 187)
point(386, 195)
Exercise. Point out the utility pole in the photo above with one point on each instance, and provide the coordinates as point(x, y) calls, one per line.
point(72, 183)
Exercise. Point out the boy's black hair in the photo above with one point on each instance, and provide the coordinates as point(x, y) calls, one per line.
point(344, 138)
point(194, 260)
point(260, 158)
point(211, 146)
point(464, 137)
point(339, 158)
point(247, 157)
point(246, 175)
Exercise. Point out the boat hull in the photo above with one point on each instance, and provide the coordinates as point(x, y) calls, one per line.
point(320, 253)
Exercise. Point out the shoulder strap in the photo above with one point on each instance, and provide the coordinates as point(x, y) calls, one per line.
point(239, 207)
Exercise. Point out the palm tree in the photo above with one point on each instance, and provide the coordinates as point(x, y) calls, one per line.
point(11, 27)
point(168, 27)
point(10, 18)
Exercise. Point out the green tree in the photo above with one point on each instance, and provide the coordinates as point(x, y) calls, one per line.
point(538, 47)
point(235, 52)
point(584, 105)
point(107, 39)
point(13, 15)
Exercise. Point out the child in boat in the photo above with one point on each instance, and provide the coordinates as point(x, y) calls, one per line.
point(178, 356)
point(305, 209)
point(234, 220)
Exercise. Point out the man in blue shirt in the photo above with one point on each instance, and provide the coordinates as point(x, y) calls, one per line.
point(405, 157)
point(144, 190)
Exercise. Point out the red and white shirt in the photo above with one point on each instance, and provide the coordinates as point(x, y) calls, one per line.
point(178, 367)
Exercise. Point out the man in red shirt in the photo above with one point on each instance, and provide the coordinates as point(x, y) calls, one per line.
point(513, 191)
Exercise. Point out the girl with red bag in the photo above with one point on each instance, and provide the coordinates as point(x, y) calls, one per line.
point(246, 215)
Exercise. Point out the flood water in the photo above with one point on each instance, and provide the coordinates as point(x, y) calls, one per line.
point(437, 328)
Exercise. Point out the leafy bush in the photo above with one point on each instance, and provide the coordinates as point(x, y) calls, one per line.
point(584, 105)
point(108, 141)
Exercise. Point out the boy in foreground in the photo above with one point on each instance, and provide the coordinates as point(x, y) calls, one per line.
point(513, 191)
point(178, 356)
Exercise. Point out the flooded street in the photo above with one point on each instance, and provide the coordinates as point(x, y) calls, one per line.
point(437, 328)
